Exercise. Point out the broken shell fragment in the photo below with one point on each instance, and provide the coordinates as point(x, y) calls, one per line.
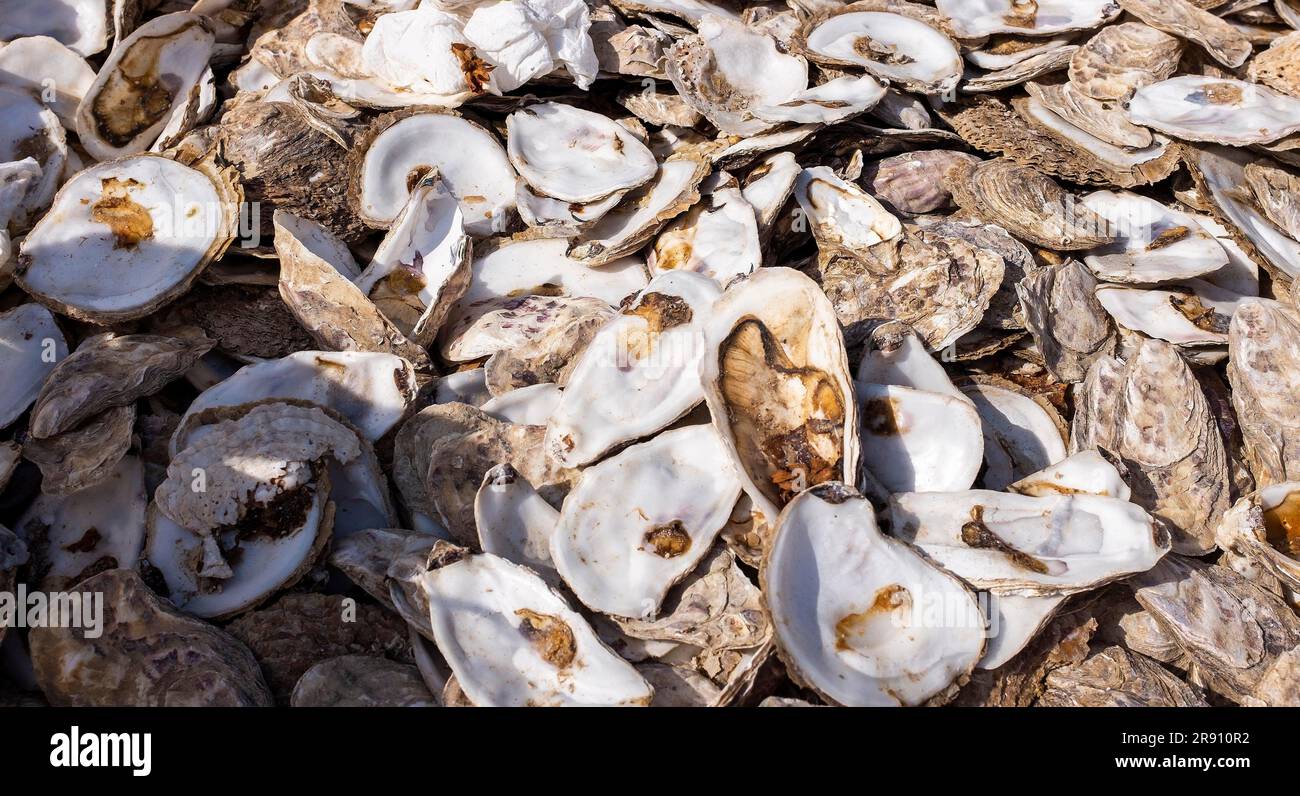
point(848, 603)
point(511, 641)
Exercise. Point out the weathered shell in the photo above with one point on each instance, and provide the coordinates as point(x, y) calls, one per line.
point(1104, 120)
point(1122, 58)
point(889, 39)
point(1181, 18)
point(1219, 110)
point(975, 18)
point(912, 183)
point(1039, 65)
point(351, 681)
point(1116, 677)
point(1069, 343)
point(1027, 203)
point(109, 370)
point(1150, 411)
point(1263, 365)
point(83, 456)
point(82, 25)
point(150, 655)
point(718, 237)
point(1277, 193)
point(1276, 67)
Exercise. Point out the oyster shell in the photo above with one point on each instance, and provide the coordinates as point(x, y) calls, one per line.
point(32, 347)
point(516, 523)
point(511, 641)
point(150, 655)
point(889, 39)
point(630, 529)
point(919, 441)
point(1120, 59)
point(1220, 110)
point(150, 226)
point(352, 681)
point(574, 155)
point(1263, 363)
point(1150, 411)
point(1153, 243)
point(777, 383)
point(1027, 203)
point(1021, 435)
point(639, 374)
point(718, 237)
point(1116, 677)
point(1274, 67)
point(1068, 343)
point(1220, 38)
point(80, 24)
point(146, 78)
point(847, 604)
point(975, 18)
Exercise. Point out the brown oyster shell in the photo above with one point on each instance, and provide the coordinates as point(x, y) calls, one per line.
point(1151, 413)
point(83, 456)
point(1121, 59)
point(1027, 203)
point(912, 183)
point(1068, 342)
point(361, 681)
point(150, 655)
point(297, 631)
point(1106, 121)
point(1264, 368)
point(1221, 40)
point(107, 371)
point(1278, 67)
point(1115, 677)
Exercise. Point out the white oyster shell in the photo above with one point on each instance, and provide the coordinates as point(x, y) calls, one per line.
point(903, 50)
point(512, 642)
point(919, 441)
point(641, 520)
point(1153, 243)
point(575, 155)
point(640, 372)
point(860, 617)
point(30, 346)
point(515, 522)
point(1221, 110)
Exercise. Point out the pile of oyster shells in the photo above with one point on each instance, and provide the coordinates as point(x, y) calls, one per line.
point(550, 352)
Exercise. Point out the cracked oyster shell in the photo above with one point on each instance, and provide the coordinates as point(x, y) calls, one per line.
point(640, 372)
point(1276, 191)
point(401, 147)
point(1217, 109)
point(371, 390)
point(423, 264)
point(516, 523)
point(150, 655)
point(1120, 59)
point(263, 515)
point(972, 19)
point(31, 346)
point(778, 386)
point(511, 641)
point(729, 70)
point(146, 77)
point(1264, 367)
point(1153, 243)
point(1150, 412)
point(848, 605)
point(919, 441)
point(1027, 203)
point(1021, 435)
point(1069, 342)
point(1016, 544)
point(574, 155)
point(640, 521)
point(718, 237)
point(78, 535)
point(889, 39)
point(1223, 41)
point(148, 224)
point(1116, 677)
point(109, 370)
point(326, 302)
